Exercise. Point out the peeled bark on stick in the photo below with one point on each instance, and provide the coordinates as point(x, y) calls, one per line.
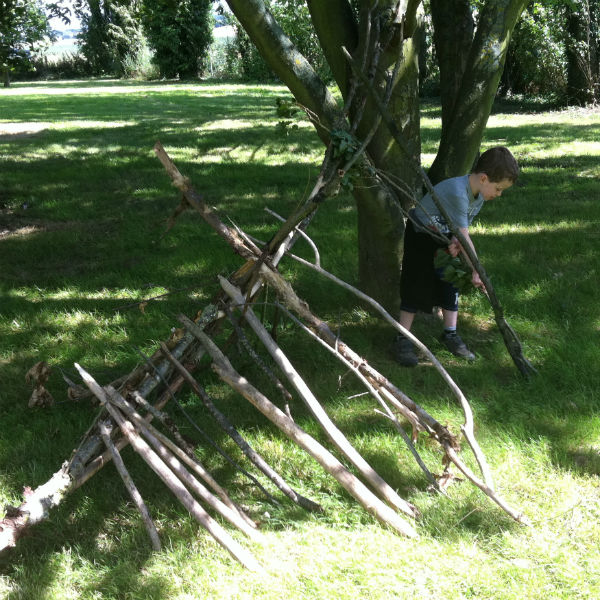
point(38, 503)
point(337, 437)
point(332, 465)
point(252, 455)
point(131, 487)
point(35, 508)
point(167, 476)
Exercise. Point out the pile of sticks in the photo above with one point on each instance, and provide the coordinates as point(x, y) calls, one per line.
point(125, 414)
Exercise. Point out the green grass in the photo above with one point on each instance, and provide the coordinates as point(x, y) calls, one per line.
point(83, 207)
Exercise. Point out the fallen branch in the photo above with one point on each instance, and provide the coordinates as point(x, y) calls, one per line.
point(35, 508)
point(373, 392)
point(220, 450)
point(131, 488)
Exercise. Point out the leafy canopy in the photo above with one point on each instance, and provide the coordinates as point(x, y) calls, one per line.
point(23, 27)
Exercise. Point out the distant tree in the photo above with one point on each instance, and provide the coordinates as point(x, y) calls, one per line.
point(179, 33)
point(554, 49)
point(579, 48)
point(111, 34)
point(536, 59)
point(23, 26)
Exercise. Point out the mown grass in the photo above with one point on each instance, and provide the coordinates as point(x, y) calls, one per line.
point(83, 207)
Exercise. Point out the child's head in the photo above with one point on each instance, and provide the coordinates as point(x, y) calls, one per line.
point(498, 164)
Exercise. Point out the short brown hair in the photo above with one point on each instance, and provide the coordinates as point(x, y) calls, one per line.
point(497, 163)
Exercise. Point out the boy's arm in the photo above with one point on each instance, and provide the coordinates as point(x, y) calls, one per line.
point(455, 249)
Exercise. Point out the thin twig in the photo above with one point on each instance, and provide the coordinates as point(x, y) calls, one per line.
point(105, 431)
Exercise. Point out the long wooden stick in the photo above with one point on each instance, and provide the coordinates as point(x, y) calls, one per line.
point(186, 453)
point(336, 436)
point(130, 485)
point(177, 467)
point(285, 291)
point(374, 392)
point(172, 482)
point(252, 455)
point(332, 465)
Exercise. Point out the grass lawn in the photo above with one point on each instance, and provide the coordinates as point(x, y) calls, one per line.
point(83, 208)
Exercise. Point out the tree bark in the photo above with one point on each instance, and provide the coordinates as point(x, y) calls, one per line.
point(468, 103)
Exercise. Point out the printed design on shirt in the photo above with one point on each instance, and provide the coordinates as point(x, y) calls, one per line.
point(437, 222)
point(473, 210)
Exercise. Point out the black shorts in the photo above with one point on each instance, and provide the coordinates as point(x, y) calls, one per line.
point(421, 286)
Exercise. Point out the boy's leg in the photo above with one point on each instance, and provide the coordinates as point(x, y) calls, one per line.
point(406, 319)
point(451, 339)
point(404, 351)
point(450, 319)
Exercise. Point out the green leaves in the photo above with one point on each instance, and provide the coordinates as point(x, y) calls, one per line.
point(344, 144)
point(456, 271)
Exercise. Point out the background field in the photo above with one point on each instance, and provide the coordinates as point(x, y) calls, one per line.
point(83, 208)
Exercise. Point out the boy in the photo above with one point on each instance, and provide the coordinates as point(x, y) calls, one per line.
point(421, 286)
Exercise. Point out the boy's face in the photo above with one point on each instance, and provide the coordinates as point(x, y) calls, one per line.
point(492, 189)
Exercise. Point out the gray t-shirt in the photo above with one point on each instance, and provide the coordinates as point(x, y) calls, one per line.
point(456, 197)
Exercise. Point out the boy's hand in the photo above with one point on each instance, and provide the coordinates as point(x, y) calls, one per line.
point(476, 281)
point(454, 247)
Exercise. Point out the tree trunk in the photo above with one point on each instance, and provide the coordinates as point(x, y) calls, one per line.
point(380, 211)
point(580, 82)
point(467, 104)
point(6, 77)
point(470, 70)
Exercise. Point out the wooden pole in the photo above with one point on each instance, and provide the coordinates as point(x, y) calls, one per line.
point(130, 485)
point(252, 455)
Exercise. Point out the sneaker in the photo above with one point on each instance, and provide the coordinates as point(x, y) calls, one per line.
point(404, 352)
point(454, 343)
